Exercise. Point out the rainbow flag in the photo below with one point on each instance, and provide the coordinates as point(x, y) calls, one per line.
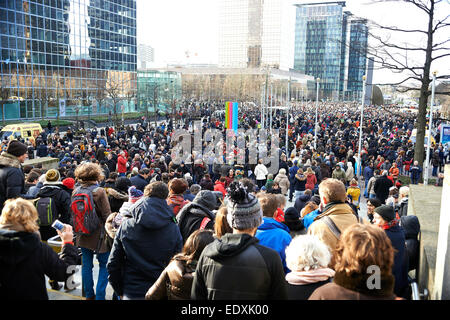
point(231, 115)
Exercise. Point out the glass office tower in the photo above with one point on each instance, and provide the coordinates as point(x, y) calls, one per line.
point(256, 33)
point(331, 45)
point(67, 57)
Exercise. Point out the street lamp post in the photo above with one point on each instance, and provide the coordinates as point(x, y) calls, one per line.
point(430, 126)
point(288, 100)
point(358, 167)
point(317, 107)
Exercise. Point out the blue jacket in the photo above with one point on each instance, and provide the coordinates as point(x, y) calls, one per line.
point(143, 247)
point(292, 171)
point(139, 182)
point(400, 268)
point(309, 218)
point(275, 235)
point(368, 173)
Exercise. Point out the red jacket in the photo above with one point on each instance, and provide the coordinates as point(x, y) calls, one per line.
point(220, 186)
point(121, 164)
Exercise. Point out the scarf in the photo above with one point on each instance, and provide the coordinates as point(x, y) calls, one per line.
point(391, 223)
point(310, 276)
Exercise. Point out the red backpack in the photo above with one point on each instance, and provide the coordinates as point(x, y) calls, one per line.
point(85, 218)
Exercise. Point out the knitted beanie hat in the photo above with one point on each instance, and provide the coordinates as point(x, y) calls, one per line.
point(69, 183)
point(52, 175)
point(291, 214)
point(244, 210)
point(134, 194)
point(386, 212)
point(16, 148)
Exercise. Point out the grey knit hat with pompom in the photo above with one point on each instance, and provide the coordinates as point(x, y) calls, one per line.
point(243, 209)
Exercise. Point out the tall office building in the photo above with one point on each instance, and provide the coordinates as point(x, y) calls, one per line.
point(256, 33)
point(145, 56)
point(331, 44)
point(66, 57)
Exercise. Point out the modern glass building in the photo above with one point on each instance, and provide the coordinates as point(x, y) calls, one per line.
point(331, 45)
point(256, 33)
point(159, 88)
point(67, 57)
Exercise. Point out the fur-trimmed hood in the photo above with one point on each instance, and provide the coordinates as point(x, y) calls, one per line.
point(359, 283)
point(8, 160)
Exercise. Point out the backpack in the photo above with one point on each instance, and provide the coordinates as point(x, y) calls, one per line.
point(47, 211)
point(85, 218)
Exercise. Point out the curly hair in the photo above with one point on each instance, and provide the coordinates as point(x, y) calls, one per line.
point(89, 172)
point(22, 212)
point(361, 246)
point(307, 252)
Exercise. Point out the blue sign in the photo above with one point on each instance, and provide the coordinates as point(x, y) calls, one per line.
point(445, 133)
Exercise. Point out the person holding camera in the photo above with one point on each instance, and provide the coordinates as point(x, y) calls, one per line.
point(24, 259)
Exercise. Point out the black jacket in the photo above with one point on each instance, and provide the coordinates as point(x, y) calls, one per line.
point(62, 201)
point(190, 219)
point(143, 247)
point(12, 179)
point(236, 267)
point(303, 292)
point(301, 201)
point(42, 150)
point(381, 188)
point(139, 182)
point(24, 262)
point(411, 226)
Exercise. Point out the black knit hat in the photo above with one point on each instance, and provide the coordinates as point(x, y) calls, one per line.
point(291, 214)
point(386, 212)
point(16, 148)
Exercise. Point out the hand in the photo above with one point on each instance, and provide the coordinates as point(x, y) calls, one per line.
point(67, 234)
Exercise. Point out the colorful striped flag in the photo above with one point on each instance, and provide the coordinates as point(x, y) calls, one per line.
point(231, 115)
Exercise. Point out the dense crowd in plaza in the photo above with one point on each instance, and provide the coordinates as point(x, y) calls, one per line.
point(212, 229)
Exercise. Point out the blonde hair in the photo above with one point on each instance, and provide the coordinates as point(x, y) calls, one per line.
point(307, 252)
point(333, 190)
point(89, 172)
point(22, 212)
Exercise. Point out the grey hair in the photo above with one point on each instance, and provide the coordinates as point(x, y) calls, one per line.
point(307, 252)
point(403, 193)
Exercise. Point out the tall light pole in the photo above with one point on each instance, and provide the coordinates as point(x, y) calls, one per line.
point(358, 167)
point(317, 107)
point(430, 126)
point(288, 100)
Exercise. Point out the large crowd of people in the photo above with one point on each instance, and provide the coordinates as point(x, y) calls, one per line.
point(210, 229)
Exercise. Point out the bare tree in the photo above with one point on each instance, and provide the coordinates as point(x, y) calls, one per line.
point(416, 75)
point(113, 90)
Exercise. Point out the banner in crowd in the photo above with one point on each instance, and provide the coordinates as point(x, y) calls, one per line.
point(231, 115)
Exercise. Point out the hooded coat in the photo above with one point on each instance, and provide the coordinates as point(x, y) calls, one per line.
point(143, 247)
point(275, 235)
point(238, 261)
point(24, 263)
point(301, 201)
point(191, 217)
point(400, 268)
point(62, 201)
point(12, 179)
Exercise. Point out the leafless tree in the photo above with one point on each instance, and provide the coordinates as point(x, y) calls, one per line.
point(395, 56)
